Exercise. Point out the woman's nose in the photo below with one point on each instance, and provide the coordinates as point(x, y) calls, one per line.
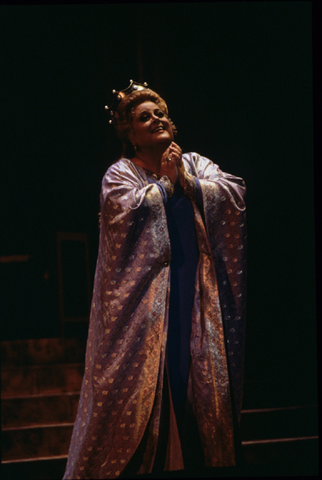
point(155, 117)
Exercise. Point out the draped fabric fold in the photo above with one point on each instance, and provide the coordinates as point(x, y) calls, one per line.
point(122, 388)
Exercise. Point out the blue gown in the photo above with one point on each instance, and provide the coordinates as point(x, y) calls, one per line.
point(183, 267)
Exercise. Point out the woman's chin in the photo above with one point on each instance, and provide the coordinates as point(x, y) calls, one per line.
point(166, 141)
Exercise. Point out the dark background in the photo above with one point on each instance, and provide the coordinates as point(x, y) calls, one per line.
point(237, 77)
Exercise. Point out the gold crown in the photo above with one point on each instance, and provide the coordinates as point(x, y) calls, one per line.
point(118, 96)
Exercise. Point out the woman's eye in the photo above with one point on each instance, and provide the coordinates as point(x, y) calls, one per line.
point(145, 116)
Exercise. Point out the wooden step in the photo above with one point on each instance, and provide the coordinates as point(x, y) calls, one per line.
point(31, 411)
point(284, 456)
point(36, 442)
point(41, 379)
point(44, 351)
point(288, 457)
point(255, 424)
point(269, 391)
point(287, 422)
point(35, 469)
point(296, 458)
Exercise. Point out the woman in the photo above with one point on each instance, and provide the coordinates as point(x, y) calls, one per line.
point(164, 363)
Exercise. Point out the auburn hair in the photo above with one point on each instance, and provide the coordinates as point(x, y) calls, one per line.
point(123, 116)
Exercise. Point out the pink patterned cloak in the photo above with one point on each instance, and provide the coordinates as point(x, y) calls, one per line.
point(125, 357)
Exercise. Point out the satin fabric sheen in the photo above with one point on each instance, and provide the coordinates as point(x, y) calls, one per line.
point(125, 358)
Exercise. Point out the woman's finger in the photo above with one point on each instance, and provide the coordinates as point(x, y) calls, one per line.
point(176, 151)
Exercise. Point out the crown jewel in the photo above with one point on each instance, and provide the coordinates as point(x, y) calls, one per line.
point(118, 96)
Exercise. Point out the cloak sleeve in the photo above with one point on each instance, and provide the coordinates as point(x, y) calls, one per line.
point(127, 332)
point(224, 213)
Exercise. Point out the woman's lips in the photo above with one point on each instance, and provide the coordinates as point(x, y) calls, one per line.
point(158, 129)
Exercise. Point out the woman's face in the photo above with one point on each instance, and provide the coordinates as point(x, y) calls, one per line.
point(150, 126)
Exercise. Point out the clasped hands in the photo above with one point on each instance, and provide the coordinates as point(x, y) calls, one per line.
point(172, 165)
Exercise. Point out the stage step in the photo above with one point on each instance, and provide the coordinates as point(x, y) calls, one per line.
point(36, 442)
point(33, 411)
point(44, 351)
point(40, 385)
point(41, 469)
point(287, 458)
point(299, 455)
point(30, 411)
point(285, 422)
point(41, 381)
point(259, 430)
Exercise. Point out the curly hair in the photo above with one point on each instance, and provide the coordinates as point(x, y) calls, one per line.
point(123, 116)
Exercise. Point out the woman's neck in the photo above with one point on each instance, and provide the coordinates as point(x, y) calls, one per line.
point(149, 159)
